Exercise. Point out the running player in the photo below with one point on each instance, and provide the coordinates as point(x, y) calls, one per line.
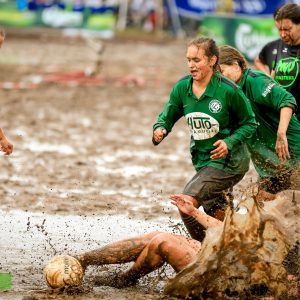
point(275, 146)
point(220, 120)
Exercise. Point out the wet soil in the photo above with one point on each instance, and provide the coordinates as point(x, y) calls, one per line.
point(82, 149)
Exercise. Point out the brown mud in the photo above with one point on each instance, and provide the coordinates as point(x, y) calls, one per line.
point(83, 157)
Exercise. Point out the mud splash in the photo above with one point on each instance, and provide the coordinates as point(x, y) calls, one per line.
point(246, 258)
point(28, 240)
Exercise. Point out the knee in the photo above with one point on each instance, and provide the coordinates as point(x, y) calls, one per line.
point(159, 239)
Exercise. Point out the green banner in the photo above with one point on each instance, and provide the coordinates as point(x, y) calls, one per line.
point(5, 281)
point(247, 34)
point(57, 18)
point(13, 17)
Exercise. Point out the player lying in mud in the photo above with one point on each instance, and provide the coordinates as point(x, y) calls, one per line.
point(150, 251)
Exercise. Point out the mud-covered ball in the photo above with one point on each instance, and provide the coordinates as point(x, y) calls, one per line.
point(62, 271)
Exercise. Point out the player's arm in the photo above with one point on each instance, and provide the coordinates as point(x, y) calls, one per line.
point(168, 117)
point(270, 94)
point(5, 145)
point(282, 147)
point(187, 207)
point(244, 118)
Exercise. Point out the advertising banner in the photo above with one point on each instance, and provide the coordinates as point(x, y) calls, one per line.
point(248, 34)
point(95, 15)
point(257, 7)
point(197, 8)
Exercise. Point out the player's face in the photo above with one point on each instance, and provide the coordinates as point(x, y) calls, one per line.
point(199, 64)
point(233, 71)
point(288, 31)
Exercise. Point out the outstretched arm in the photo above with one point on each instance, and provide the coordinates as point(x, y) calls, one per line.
point(187, 207)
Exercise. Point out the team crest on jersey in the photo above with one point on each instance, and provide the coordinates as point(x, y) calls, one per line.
point(202, 126)
point(215, 106)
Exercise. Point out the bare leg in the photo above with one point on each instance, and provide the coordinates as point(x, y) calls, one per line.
point(119, 252)
point(176, 250)
point(149, 251)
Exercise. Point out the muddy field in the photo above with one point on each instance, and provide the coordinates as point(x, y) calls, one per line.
point(84, 170)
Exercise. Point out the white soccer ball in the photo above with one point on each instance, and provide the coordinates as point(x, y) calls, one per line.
point(62, 271)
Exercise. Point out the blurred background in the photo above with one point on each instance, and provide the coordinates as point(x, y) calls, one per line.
point(245, 24)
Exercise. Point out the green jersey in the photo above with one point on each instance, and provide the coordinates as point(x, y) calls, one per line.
point(221, 113)
point(267, 98)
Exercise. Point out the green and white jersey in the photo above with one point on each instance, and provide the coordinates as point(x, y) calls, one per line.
point(267, 98)
point(221, 113)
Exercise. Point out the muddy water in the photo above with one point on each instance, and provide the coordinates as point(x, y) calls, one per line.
point(84, 171)
point(28, 240)
point(251, 256)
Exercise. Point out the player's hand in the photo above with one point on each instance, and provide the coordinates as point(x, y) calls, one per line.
point(158, 135)
point(185, 205)
point(282, 147)
point(220, 151)
point(6, 146)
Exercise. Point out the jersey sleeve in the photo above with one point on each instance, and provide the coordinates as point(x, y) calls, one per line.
point(243, 119)
point(171, 113)
point(266, 91)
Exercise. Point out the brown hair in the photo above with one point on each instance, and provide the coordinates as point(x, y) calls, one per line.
point(208, 45)
point(230, 56)
point(289, 11)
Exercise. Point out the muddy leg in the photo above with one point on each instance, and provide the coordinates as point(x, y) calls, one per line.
point(118, 252)
point(176, 250)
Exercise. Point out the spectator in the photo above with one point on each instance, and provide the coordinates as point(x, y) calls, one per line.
point(287, 62)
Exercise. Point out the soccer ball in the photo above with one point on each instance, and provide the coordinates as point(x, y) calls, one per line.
point(62, 271)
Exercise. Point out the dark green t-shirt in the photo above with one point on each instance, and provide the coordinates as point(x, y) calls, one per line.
point(267, 98)
point(221, 113)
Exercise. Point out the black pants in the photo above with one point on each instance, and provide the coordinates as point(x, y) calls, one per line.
point(211, 188)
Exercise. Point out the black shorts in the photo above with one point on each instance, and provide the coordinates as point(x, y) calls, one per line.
point(209, 187)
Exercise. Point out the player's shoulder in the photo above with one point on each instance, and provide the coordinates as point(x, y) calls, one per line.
point(275, 42)
point(227, 83)
point(184, 79)
point(256, 80)
point(272, 44)
point(183, 82)
point(255, 74)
